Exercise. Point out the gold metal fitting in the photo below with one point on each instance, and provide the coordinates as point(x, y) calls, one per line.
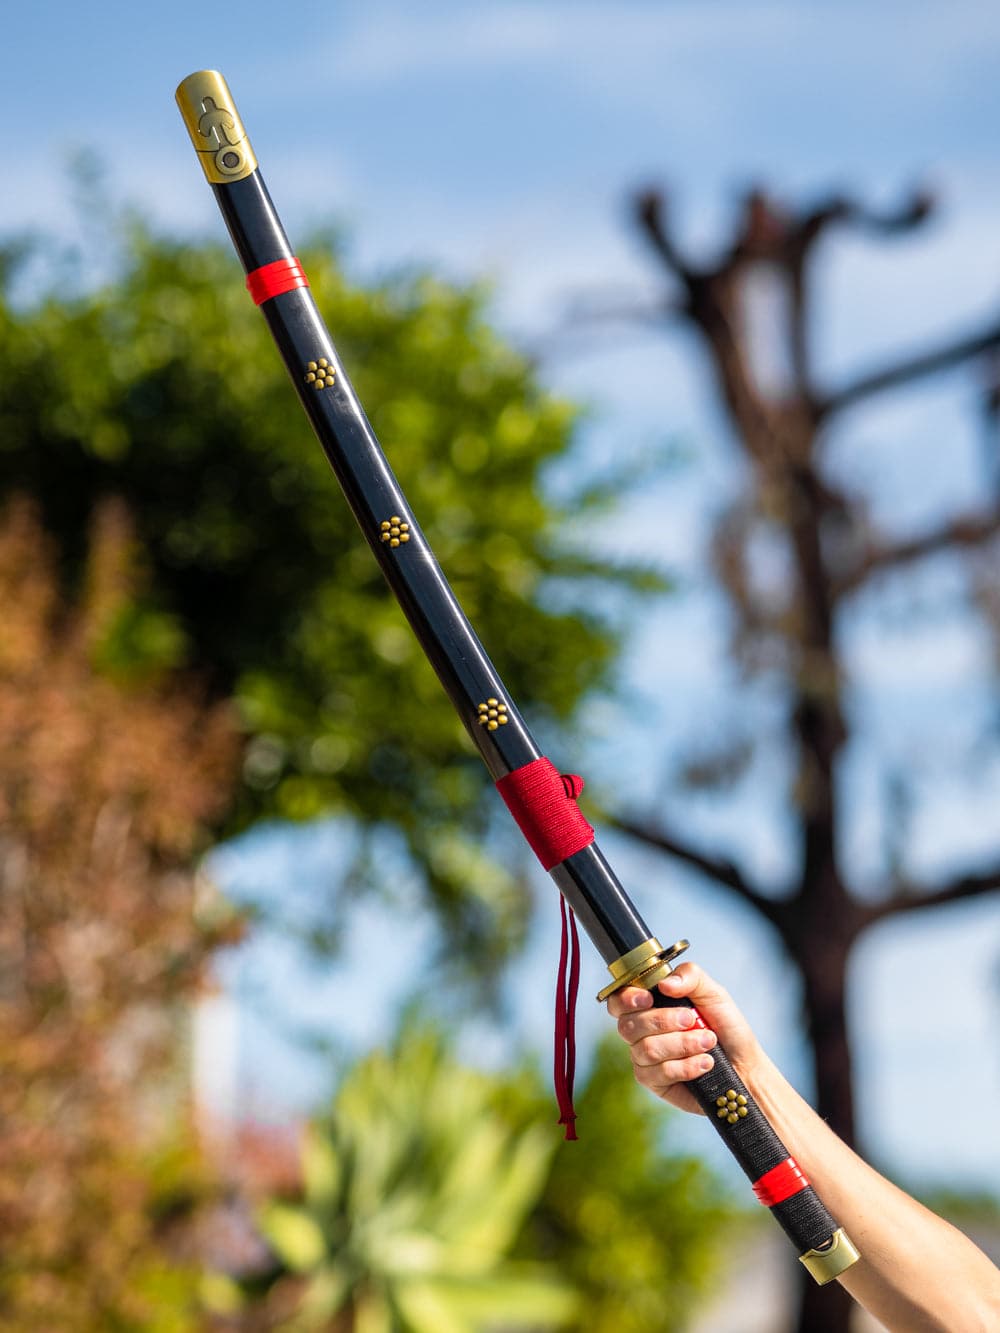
point(215, 127)
point(320, 374)
point(645, 965)
point(492, 714)
point(394, 531)
point(732, 1106)
point(833, 1259)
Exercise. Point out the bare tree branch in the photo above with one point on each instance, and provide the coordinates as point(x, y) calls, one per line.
point(969, 530)
point(913, 212)
point(598, 308)
point(905, 372)
point(650, 210)
point(586, 315)
point(909, 897)
point(719, 868)
point(802, 239)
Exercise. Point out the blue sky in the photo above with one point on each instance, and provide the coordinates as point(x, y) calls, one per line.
point(501, 140)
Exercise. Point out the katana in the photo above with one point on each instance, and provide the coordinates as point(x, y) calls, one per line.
point(542, 801)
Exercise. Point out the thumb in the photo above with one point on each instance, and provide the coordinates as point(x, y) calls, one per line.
point(712, 1001)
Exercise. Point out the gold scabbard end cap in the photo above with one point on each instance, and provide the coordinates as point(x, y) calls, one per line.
point(834, 1259)
point(215, 127)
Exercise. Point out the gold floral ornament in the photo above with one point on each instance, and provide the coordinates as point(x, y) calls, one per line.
point(493, 714)
point(394, 530)
point(732, 1107)
point(320, 374)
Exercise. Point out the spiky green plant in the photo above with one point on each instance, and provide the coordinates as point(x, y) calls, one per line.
point(415, 1188)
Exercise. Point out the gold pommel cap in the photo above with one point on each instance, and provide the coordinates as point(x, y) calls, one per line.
point(215, 127)
point(834, 1259)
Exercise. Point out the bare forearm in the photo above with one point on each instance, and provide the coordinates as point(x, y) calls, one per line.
point(917, 1274)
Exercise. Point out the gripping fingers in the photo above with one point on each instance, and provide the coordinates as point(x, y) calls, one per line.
point(665, 1047)
point(666, 1052)
point(632, 1025)
point(674, 1048)
point(670, 1079)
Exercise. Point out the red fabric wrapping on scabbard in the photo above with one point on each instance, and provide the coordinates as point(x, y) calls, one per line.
point(273, 279)
point(543, 803)
point(780, 1183)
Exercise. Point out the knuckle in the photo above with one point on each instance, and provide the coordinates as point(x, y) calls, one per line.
point(646, 1052)
point(697, 981)
point(642, 1075)
point(651, 1077)
point(658, 1049)
point(628, 1027)
point(633, 1027)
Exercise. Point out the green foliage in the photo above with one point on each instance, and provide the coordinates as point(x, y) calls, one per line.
point(630, 1223)
point(163, 389)
point(415, 1187)
point(634, 1228)
point(437, 1199)
point(966, 1208)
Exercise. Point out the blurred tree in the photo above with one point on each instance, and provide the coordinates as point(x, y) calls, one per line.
point(436, 1199)
point(163, 389)
point(109, 780)
point(795, 553)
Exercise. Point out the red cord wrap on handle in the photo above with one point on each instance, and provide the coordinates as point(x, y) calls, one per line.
point(273, 279)
point(780, 1183)
point(543, 803)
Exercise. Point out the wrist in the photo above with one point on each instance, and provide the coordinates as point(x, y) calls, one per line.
point(808, 1138)
point(752, 1064)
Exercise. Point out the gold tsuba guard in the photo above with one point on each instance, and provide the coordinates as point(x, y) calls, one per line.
point(645, 965)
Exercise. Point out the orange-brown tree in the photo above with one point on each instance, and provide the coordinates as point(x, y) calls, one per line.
point(109, 776)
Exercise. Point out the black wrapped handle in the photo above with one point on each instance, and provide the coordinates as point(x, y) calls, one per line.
point(747, 1133)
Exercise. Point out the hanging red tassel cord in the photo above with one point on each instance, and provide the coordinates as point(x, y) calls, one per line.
point(543, 802)
point(567, 985)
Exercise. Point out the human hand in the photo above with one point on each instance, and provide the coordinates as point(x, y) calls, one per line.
point(667, 1050)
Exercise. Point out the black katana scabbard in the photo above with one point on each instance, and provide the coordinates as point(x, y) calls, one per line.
point(633, 955)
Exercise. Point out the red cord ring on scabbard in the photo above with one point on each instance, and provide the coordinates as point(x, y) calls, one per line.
point(283, 275)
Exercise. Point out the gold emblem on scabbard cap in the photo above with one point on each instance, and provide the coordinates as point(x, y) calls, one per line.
point(215, 127)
